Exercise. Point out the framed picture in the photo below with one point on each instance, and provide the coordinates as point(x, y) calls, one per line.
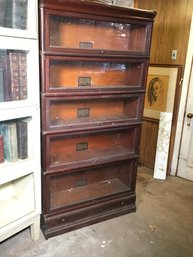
point(161, 89)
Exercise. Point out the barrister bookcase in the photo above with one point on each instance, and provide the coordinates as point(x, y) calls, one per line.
point(94, 61)
point(20, 169)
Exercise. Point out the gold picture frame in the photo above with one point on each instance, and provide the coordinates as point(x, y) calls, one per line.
point(161, 89)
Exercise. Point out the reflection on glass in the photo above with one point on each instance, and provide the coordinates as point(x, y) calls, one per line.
point(98, 147)
point(65, 114)
point(70, 32)
point(87, 74)
point(68, 189)
point(13, 14)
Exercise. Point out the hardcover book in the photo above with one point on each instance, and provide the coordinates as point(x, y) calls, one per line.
point(9, 132)
point(1, 149)
point(5, 81)
point(22, 139)
point(1, 85)
point(14, 75)
point(23, 75)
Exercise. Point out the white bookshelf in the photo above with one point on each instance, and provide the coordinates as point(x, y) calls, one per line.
point(20, 191)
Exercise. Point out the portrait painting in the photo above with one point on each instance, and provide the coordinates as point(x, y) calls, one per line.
point(160, 90)
point(156, 94)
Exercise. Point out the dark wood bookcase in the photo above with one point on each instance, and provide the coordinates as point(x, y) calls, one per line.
point(94, 61)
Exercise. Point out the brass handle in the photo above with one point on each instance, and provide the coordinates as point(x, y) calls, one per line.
point(189, 117)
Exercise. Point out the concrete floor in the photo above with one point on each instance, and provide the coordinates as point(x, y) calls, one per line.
point(161, 227)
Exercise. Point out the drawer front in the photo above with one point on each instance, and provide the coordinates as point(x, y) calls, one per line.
point(78, 33)
point(65, 222)
point(80, 187)
point(66, 151)
point(82, 74)
point(64, 114)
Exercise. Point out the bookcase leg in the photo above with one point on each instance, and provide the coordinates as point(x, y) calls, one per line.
point(35, 228)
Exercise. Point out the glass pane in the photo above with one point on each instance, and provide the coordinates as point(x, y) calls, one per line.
point(13, 75)
point(73, 32)
point(69, 74)
point(13, 14)
point(82, 186)
point(77, 150)
point(63, 113)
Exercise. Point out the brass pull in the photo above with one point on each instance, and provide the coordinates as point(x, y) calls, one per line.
point(189, 117)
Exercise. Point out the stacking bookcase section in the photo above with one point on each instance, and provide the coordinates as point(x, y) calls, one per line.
point(16, 78)
point(88, 196)
point(18, 192)
point(17, 145)
point(70, 113)
point(18, 18)
point(104, 32)
point(20, 171)
point(94, 61)
point(20, 204)
point(100, 75)
point(90, 148)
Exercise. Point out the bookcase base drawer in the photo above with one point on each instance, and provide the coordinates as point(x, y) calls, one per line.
point(57, 224)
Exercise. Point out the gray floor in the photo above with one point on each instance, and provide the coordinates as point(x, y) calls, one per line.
point(161, 227)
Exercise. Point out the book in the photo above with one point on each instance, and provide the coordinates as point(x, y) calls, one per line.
point(22, 139)
point(3, 5)
point(9, 132)
point(2, 98)
point(23, 75)
point(5, 81)
point(1, 149)
point(14, 75)
point(16, 14)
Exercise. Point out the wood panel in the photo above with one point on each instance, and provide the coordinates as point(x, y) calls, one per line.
point(171, 29)
point(148, 143)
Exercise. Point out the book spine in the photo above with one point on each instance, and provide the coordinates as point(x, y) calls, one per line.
point(23, 75)
point(2, 93)
point(22, 139)
point(1, 149)
point(14, 75)
point(9, 132)
point(3, 4)
point(5, 81)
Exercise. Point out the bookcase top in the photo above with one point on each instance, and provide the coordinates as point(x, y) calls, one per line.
point(97, 8)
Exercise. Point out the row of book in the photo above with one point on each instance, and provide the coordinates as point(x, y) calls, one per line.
point(13, 140)
point(13, 75)
point(13, 14)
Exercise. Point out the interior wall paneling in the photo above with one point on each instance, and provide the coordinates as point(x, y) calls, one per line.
point(171, 29)
point(148, 142)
